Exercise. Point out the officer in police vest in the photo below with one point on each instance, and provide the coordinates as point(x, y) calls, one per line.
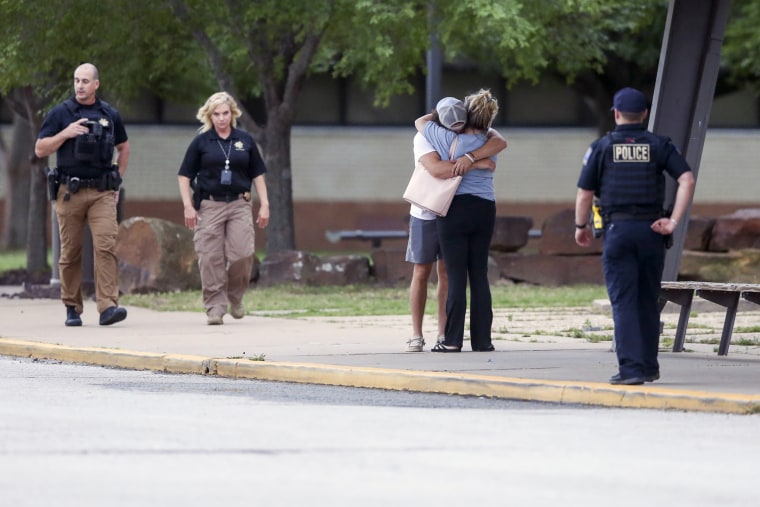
point(85, 133)
point(625, 170)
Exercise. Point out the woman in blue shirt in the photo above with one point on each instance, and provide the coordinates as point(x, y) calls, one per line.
point(465, 232)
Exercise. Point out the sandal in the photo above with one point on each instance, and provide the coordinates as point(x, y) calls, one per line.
point(440, 347)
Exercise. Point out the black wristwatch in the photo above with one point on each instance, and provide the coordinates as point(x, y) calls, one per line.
point(581, 226)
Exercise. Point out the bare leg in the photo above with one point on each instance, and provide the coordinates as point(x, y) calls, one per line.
point(442, 291)
point(418, 295)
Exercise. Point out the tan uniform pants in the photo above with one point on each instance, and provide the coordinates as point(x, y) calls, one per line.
point(98, 209)
point(224, 242)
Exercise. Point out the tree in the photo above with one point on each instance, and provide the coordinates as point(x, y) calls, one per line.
point(128, 55)
point(267, 49)
point(742, 45)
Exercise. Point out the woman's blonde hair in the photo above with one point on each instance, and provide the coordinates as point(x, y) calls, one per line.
point(481, 109)
point(214, 101)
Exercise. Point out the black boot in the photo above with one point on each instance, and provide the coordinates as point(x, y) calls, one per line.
point(112, 315)
point(72, 317)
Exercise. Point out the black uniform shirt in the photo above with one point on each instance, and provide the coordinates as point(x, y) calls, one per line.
point(205, 159)
point(60, 117)
point(625, 169)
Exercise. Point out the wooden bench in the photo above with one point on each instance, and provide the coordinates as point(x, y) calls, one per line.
point(376, 237)
point(724, 294)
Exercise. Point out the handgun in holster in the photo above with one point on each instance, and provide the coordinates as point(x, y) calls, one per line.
point(197, 197)
point(111, 180)
point(53, 183)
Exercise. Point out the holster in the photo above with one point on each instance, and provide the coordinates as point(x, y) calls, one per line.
point(53, 183)
point(111, 180)
point(197, 195)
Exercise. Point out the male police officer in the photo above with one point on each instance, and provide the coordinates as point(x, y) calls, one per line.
point(84, 131)
point(625, 170)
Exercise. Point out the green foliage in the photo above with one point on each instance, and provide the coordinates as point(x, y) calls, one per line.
point(135, 45)
point(742, 43)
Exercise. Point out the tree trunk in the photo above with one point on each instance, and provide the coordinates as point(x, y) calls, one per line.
point(18, 176)
point(276, 152)
point(36, 243)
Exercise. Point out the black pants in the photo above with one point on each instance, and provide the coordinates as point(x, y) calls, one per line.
point(465, 236)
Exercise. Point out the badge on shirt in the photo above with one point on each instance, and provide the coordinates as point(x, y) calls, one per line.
point(103, 122)
point(239, 146)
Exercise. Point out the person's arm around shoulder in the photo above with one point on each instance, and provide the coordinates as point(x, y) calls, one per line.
point(686, 185)
point(481, 157)
point(420, 122)
point(583, 200)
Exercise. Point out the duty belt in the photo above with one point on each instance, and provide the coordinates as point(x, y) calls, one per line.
point(228, 197)
point(633, 216)
point(75, 183)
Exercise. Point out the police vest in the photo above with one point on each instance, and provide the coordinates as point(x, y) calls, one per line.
point(95, 148)
point(631, 178)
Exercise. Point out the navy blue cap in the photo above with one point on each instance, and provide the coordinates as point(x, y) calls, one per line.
point(629, 100)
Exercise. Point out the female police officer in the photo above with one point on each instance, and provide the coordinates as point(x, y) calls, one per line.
point(220, 164)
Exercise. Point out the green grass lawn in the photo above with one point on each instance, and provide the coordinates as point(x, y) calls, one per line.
point(365, 299)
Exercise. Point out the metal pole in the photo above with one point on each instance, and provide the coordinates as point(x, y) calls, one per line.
point(686, 78)
point(434, 60)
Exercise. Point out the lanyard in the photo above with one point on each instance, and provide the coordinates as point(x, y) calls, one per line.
point(226, 155)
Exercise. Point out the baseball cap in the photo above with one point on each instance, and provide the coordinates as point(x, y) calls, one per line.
point(629, 100)
point(451, 111)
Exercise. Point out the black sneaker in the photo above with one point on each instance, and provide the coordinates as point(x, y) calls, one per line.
point(72, 317)
point(618, 379)
point(112, 315)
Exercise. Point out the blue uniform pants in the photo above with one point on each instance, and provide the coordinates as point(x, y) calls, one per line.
point(633, 259)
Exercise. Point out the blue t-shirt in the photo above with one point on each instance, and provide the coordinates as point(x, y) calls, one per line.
point(478, 182)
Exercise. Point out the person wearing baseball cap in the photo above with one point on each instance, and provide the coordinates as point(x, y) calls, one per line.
point(423, 247)
point(626, 170)
point(451, 113)
point(630, 100)
point(465, 232)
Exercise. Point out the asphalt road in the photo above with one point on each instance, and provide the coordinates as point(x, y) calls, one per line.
point(73, 435)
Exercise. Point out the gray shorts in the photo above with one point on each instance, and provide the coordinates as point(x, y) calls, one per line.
point(423, 246)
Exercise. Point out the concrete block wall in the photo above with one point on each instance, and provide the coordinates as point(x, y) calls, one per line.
point(373, 164)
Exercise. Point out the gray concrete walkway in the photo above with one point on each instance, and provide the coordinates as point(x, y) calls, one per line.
point(532, 361)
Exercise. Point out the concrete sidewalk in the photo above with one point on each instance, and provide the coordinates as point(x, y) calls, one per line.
point(532, 360)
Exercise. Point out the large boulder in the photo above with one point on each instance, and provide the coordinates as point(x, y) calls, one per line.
point(156, 255)
point(304, 268)
point(737, 266)
point(341, 270)
point(289, 266)
point(558, 236)
point(510, 233)
point(551, 270)
point(698, 233)
point(738, 230)
point(390, 267)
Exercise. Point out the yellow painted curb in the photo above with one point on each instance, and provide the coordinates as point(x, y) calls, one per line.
point(563, 392)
